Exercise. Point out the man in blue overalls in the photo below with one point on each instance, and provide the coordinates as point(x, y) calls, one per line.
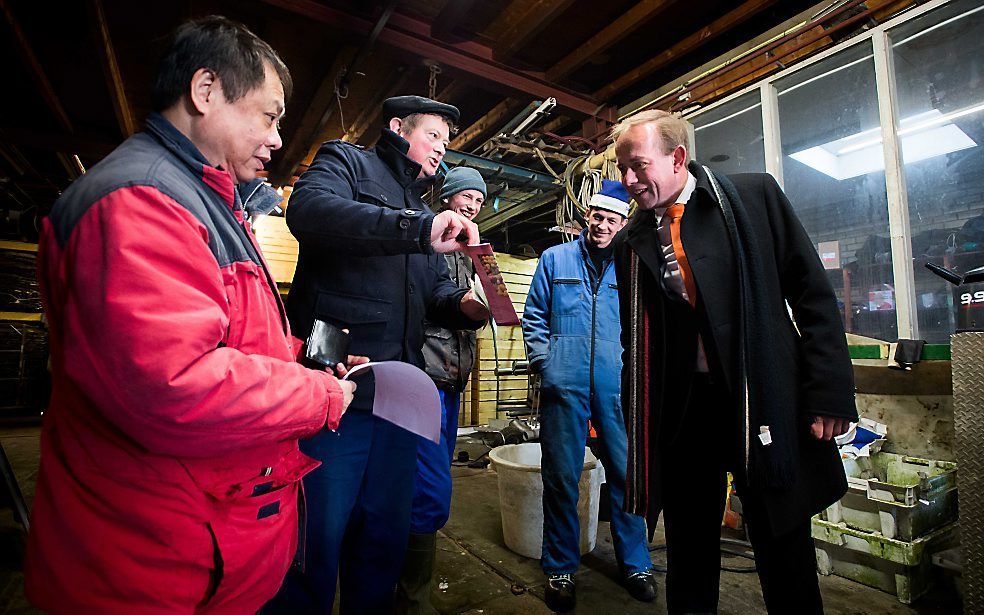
point(571, 328)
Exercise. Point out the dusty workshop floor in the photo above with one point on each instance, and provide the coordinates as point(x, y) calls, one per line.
point(481, 575)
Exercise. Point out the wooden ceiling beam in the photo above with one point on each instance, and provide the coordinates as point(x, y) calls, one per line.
point(451, 90)
point(616, 31)
point(374, 108)
point(37, 71)
point(335, 85)
point(715, 29)
point(493, 118)
point(316, 113)
point(450, 17)
point(413, 37)
point(520, 22)
point(553, 125)
point(111, 68)
point(85, 145)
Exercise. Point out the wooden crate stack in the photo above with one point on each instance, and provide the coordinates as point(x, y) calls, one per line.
point(24, 385)
point(479, 400)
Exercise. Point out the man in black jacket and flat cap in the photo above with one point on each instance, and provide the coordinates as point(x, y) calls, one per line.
point(370, 261)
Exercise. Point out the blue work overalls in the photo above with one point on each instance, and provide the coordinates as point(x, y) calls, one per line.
point(571, 328)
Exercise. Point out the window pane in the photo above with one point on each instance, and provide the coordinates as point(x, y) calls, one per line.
point(834, 176)
point(939, 71)
point(729, 138)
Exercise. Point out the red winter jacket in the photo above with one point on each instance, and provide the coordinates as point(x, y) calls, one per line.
point(170, 470)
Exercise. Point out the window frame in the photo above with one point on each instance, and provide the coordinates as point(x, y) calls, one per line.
point(880, 45)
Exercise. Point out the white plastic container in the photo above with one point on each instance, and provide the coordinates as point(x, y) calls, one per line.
point(521, 497)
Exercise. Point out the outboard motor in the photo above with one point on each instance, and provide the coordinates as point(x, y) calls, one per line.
point(968, 296)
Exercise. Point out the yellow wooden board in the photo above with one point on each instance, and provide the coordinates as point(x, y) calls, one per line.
point(18, 246)
point(21, 316)
point(278, 245)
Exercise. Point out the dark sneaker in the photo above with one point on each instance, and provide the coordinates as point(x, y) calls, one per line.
point(559, 593)
point(641, 586)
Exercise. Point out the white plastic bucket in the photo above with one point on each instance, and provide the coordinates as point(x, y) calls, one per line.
point(521, 497)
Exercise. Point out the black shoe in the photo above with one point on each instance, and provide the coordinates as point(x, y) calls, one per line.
point(559, 593)
point(641, 586)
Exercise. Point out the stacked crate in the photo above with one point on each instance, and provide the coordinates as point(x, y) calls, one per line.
point(898, 511)
point(24, 382)
point(500, 348)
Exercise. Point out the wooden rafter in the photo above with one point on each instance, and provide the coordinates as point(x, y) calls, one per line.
point(373, 109)
point(316, 114)
point(37, 72)
point(111, 68)
point(493, 118)
point(553, 125)
point(632, 19)
point(521, 21)
point(413, 37)
point(451, 90)
point(709, 32)
point(450, 17)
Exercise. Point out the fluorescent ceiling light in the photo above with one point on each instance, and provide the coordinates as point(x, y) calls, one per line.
point(727, 117)
point(939, 25)
point(925, 135)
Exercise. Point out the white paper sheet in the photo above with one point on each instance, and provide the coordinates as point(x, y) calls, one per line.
point(405, 396)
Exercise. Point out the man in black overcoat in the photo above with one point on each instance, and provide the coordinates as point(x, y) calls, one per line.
point(735, 360)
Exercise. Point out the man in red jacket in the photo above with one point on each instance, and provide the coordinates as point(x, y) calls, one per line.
point(169, 462)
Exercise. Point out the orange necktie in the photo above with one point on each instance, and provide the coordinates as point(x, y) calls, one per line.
point(675, 212)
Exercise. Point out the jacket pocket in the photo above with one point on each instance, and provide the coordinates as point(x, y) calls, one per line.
point(372, 192)
point(255, 321)
point(437, 332)
point(254, 524)
point(366, 318)
point(568, 296)
point(240, 281)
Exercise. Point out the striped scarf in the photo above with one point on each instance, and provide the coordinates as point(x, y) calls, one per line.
point(637, 401)
point(637, 404)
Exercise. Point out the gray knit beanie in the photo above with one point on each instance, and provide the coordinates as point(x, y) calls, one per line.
point(462, 178)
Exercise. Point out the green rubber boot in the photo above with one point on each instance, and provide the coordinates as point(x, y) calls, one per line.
point(414, 589)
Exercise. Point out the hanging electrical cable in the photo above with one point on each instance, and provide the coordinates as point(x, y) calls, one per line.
point(582, 179)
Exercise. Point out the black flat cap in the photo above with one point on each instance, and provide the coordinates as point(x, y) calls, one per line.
point(402, 106)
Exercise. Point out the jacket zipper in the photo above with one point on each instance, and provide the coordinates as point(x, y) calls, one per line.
point(408, 291)
point(594, 310)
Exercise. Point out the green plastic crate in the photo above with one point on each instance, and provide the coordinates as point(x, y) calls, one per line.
point(898, 496)
point(901, 568)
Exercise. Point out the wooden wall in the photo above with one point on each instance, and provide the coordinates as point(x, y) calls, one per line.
point(479, 400)
point(279, 247)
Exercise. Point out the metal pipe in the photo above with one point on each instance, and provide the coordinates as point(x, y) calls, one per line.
point(776, 43)
point(809, 41)
point(538, 114)
point(755, 54)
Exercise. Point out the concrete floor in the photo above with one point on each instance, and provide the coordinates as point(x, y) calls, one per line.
point(478, 574)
